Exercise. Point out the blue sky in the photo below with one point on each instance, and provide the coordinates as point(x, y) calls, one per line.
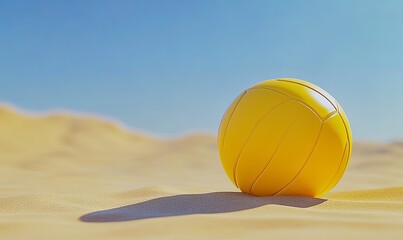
point(174, 66)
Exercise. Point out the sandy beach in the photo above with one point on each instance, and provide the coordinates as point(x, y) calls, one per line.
point(66, 176)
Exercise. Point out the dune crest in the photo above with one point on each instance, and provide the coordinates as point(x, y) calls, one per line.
point(62, 131)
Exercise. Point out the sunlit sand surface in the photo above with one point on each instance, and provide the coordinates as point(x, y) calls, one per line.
point(72, 177)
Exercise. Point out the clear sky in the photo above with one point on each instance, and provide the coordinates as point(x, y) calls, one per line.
point(174, 66)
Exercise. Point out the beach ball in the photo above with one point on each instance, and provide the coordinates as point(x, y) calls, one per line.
point(285, 137)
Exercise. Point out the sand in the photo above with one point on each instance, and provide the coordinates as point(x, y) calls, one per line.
point(65, 176)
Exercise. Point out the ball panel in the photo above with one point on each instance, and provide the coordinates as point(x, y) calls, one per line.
point(313, 98)
point(292, 153)
point(263, 142)
point(314, 87)
point(226, 118)
point(346, 125)
point(252, 107)
point(323, 163)
point(340, 171)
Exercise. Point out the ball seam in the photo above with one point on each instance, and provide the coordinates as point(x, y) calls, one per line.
point(307, 106)
point(301, 84)
point(305, 163)
point(348, 154)
point(274, 154)
point(349, 137)
point(335, 174)
point(250, 134)
point(229, 120)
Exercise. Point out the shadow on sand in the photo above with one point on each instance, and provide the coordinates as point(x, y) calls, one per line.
point(187, 204)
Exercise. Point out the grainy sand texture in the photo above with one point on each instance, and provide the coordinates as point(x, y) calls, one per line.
point(76, 177)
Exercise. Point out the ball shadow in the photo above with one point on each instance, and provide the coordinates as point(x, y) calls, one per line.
point(187, 204)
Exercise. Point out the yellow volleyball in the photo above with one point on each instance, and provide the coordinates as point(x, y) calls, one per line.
point(285, 137)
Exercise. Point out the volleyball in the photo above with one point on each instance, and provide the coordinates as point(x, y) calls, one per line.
point(285, 137)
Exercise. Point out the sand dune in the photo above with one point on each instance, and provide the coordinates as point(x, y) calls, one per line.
point(74, 177)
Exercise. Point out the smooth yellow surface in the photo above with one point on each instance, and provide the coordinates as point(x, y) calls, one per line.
point(285, 137)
